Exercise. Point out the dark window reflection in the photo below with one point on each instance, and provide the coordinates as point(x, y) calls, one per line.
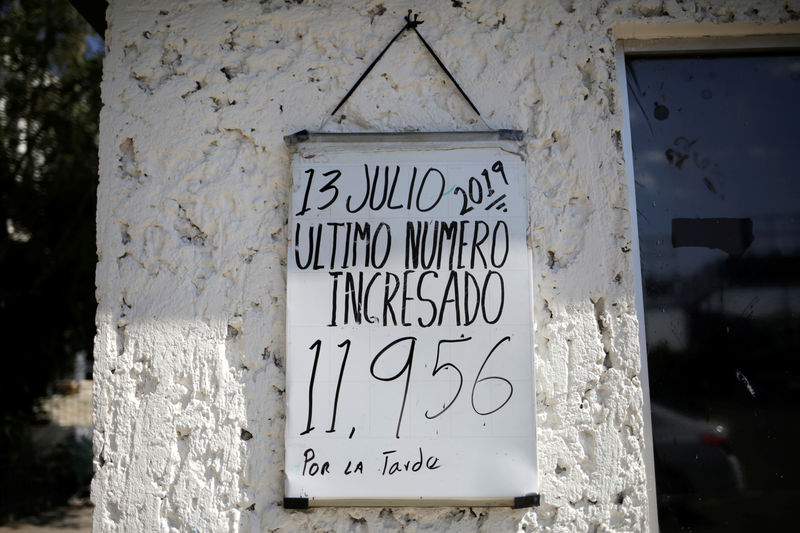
point(716, 145)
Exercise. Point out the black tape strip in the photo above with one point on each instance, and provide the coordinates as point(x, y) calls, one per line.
point(529, 500)
point(295, 503)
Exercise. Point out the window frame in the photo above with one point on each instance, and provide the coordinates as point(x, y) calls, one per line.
point(643, 39)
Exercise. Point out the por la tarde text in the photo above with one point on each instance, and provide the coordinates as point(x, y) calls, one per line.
point(392, 464)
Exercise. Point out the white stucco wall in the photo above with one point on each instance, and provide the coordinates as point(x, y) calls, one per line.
point(192, 211)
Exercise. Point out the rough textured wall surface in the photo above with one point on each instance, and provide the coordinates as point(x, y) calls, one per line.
point(194, 186)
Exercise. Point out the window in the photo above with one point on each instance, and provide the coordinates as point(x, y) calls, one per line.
point(716, 165)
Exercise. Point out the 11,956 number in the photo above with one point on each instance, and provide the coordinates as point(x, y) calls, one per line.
point(402, 350)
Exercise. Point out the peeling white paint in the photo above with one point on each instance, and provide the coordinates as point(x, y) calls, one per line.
point(194, 184)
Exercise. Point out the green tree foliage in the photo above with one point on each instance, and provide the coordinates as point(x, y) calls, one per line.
point(50, 69)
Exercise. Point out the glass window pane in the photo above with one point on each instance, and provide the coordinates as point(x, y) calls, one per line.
point(716, 146)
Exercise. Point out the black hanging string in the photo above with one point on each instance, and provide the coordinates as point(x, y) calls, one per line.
point(411, 24)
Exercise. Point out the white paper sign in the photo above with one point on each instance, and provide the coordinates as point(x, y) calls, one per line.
point(409, 362)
